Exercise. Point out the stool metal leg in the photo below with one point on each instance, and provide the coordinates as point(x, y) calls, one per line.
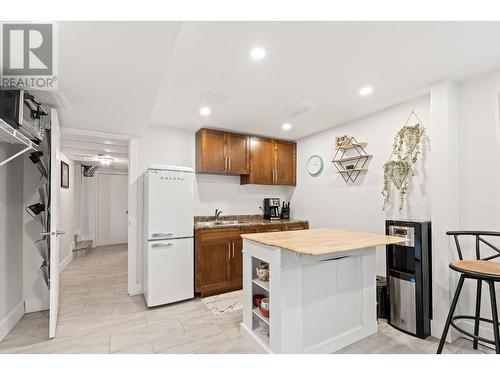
point(450, 314)
point(478, 312)
point(494, 314)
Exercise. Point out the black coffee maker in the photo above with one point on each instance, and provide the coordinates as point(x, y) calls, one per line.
point(271, 208)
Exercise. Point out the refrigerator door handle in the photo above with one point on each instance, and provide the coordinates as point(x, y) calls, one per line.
point(159, 245)
point(161, 234)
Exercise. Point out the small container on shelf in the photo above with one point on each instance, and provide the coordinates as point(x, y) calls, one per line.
point(264, 307)
point(263, 272)
point(257, 298)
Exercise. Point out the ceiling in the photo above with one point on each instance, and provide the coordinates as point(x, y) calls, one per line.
point(119, 76)
point(86, 147)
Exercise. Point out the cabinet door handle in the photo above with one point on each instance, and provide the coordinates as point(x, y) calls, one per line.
point(229, 250)
point(273, 230)
point(276, 176)
point(229, 163)
point(233, 250)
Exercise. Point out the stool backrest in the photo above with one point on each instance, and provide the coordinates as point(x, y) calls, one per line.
point(479, 238)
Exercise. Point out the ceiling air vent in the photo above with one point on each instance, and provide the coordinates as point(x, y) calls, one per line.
point(89, 170)
point(295, 110)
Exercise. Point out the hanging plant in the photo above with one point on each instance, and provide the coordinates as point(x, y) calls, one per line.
point(399, 168)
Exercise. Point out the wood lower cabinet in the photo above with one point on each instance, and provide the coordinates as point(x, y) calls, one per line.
point(219, 256)
point(272, 162)
point(215, 266)
point(219, 152)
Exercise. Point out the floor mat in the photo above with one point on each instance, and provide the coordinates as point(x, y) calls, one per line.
point(223, 303)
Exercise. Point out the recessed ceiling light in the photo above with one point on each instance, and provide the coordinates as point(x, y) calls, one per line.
point(258, 53)
point(205, 111)
point(365, 91)
point(287, 126)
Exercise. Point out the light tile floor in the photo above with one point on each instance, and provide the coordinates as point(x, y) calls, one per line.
point(98, 316)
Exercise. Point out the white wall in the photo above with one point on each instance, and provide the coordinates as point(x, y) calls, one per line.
point(479, 180)
point(112, 202)
point(11, 240)
point(67, 207)
point(87, 203)
point(328, 201)
point(170, 146)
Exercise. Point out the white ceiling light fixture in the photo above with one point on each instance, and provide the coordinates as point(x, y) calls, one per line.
point(365, 91)
point(286, 126)
point(205, 111)
point(105, 159)
point(258, 53)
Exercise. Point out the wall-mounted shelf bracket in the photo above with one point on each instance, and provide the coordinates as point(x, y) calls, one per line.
point(10, 135)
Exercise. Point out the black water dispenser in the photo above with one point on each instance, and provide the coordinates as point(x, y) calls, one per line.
point(409, 277)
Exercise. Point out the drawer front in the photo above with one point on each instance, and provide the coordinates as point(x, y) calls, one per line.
point(271, 228)
point(296, 226)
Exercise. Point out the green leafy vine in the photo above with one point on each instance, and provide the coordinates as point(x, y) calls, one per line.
point(405, 152)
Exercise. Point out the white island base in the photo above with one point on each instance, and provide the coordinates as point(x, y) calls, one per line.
point(318, 304)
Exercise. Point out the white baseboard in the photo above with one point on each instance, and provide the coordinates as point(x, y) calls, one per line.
point(437, 328)
point(135, 289)
point(66, 261)
point(485, 330)
point(36, 304)
point(7, 323)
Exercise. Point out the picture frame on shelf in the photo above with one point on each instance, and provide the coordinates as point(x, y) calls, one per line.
point(341, 141)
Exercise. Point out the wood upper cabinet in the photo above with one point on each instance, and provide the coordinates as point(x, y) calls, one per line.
point(257, 160)
point(272, 162)
point(286, 160)
point(221, 152)
point(261, 162)
point(237, 153)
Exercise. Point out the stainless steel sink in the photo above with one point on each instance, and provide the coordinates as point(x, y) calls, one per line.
point(220, 223)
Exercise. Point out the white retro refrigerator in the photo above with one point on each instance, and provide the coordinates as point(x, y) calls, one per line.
point(168, 233)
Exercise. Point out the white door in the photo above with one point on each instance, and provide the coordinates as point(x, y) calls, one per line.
point(168, 198)
point(169, 271)
point(55, 229)
point(112, 206)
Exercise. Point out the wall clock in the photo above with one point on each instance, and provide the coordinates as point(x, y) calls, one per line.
point(315, 165)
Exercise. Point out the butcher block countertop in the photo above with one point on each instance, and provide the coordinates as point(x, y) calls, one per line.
point(322, 241)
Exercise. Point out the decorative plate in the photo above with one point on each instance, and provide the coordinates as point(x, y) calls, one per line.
point(315, 165)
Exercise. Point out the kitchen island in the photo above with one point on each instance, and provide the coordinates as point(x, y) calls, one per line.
point(321, 289)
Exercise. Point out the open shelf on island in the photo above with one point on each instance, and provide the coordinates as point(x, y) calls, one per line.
point(263, 284)
point(256, 312)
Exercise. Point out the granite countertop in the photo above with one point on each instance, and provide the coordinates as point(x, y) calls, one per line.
point(322, 241)
point(200, 222)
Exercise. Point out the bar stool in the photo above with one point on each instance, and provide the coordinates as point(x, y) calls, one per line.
point(479, 270)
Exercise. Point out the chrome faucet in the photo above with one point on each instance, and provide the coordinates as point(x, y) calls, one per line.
point(217, 214)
